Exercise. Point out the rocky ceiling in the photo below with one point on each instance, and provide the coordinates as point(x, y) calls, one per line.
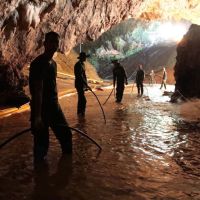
point(23, 23)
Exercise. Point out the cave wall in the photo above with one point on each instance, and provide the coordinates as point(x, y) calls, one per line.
point(23, 24)
point(187, 68)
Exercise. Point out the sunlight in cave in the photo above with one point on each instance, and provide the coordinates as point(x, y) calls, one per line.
point(169, 32)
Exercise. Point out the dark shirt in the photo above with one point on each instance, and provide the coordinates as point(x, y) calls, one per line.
point(140, 76)
point(119, 74)
point(80, 76)
point(41, 69)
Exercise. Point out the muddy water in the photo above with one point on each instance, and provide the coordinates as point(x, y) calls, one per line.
point(149, 152)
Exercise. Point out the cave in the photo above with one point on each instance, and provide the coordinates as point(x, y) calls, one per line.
point(24, 23)
point(143, 148)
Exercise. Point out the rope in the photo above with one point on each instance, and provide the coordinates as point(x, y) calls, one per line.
point(134, 72)
point(99, 104)
point(182, 95)
point(108, 96)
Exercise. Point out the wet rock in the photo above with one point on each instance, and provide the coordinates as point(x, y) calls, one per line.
point(187, 68)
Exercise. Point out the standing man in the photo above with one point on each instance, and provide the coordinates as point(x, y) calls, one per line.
point(139, 80)
point(119, 75)
point(152, 77)
point(45, 108)
point(81, 83)
point(164, 79)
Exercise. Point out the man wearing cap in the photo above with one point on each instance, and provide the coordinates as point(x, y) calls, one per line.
point(81, 83)
point(119, 76)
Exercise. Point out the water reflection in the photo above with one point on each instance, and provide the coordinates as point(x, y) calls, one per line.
point(49, 186)
point(149, 152)
point(187, 155)
point(156, 95)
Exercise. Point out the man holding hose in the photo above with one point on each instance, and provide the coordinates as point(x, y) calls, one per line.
point(81, 84)
point(45, 109)
point(119, 76)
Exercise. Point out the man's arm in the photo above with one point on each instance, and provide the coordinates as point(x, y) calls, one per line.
point(37, 104)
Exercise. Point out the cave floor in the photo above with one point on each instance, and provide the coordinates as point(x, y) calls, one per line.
point(148, 152)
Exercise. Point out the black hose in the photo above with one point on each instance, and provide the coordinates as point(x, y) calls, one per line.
point(99, 104)
point(108, 96)
point(13, 137)
point(29, 129)
point(85, 135)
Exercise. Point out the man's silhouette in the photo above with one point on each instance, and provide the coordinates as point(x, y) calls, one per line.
point(45, 108)
point(139, 80)
point(164, 79)
point(152, 77)
point(119, 76)
point(81, 83)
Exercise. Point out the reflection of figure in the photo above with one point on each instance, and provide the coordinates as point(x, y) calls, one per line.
point(119, 76)
point(139, 80)
point(81, 83)
point(152, 77)
point(50, 186)
point(164, 78)
point(45, 108)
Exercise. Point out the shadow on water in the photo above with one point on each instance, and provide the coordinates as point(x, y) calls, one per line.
point(47, 186)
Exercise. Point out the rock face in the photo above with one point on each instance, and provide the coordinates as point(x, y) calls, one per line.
point(187, 68)
point(170, 9)
point(23, 24)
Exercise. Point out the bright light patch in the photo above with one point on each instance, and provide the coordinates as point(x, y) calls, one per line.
point(169, 31)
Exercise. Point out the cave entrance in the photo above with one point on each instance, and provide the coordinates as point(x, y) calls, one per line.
point(153, 44)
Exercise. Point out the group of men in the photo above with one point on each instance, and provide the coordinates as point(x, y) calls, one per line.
point(45, 109)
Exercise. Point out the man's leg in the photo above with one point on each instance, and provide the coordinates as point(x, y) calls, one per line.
point(118, 94)
point(161, 85)
point(61, 130)
point(81, 102)
point(122, 91)
point(41, 144)
point(165, 85)
point(138, 88)
point(142, 89)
